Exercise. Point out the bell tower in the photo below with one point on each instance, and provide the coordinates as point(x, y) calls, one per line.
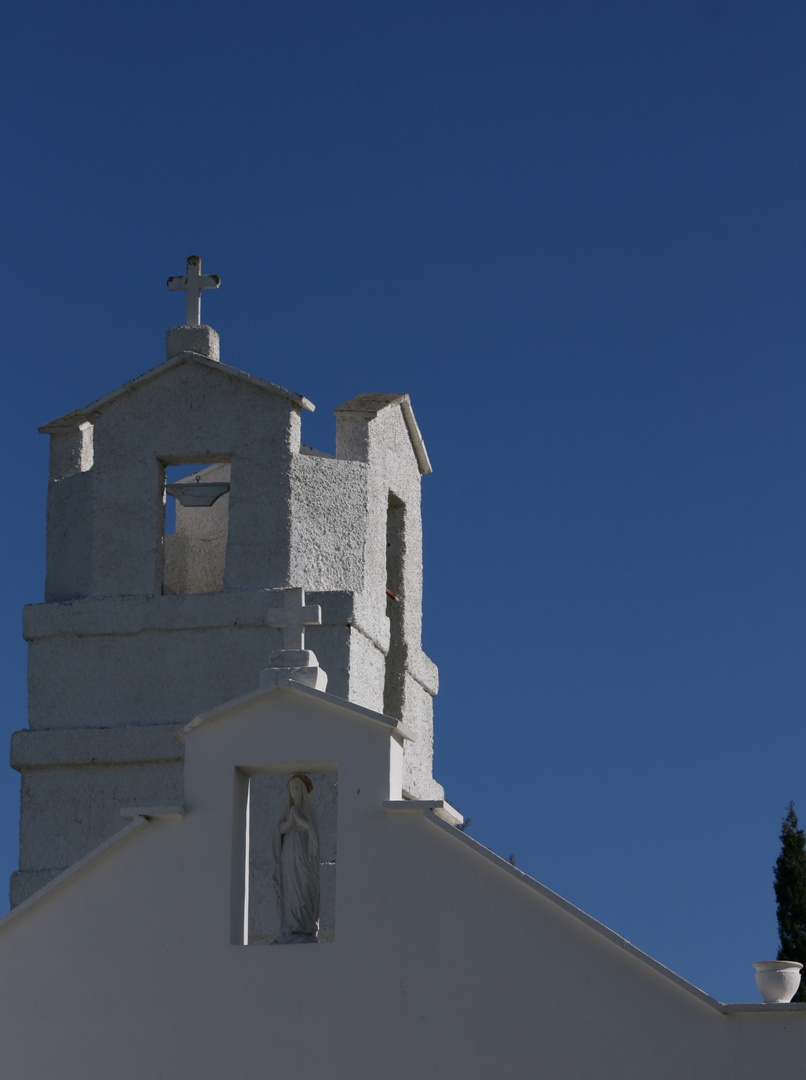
point(178, 507)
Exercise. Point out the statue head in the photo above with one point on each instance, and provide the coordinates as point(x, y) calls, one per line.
point(299, 786)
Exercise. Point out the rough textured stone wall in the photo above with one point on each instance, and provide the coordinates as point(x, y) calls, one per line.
point(373, 428)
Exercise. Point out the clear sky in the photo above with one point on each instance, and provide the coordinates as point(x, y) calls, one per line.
point(574, 233)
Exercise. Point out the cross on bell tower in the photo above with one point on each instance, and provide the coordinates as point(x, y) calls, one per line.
point(294, 616)
point(294, 661)
point(192, 285)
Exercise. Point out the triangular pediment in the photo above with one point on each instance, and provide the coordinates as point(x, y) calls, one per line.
point(92, 411)
point(275, 694)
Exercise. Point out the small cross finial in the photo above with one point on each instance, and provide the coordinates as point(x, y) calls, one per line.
point(293, 617)
point(192, 285)
point(294, 663)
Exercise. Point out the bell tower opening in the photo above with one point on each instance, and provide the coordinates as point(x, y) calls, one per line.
point(395, 602)
point(196, 527)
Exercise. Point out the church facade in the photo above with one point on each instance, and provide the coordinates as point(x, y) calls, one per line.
point(229, 759)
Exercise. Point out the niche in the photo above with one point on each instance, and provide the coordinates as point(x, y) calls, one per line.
point(266, 804)
point(196, 499)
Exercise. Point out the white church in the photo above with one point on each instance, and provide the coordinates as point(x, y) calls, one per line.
point(234, 858)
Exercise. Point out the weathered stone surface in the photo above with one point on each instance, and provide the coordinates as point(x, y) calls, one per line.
point(67, 811)
point(159, 675)
point(193, 339)
point(94, 746)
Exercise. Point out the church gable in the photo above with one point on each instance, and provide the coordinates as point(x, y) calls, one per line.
point(238, 761)
point(485, 970)
point(92, 411)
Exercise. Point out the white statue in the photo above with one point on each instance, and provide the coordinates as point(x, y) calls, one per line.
point(296, 865)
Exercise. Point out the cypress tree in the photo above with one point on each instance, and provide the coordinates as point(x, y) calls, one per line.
point(790, 893)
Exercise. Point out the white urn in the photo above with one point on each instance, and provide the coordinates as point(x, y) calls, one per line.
point(778, 980)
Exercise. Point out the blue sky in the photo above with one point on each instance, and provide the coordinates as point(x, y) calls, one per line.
point(574, 233)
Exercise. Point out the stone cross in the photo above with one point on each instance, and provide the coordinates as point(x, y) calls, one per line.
point(192, 286)
point(294, 616)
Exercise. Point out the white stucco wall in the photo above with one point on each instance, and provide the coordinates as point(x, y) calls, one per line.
point(445, 962)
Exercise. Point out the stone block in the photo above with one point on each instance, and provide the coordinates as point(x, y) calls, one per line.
point(66, 812)
point(202, 340)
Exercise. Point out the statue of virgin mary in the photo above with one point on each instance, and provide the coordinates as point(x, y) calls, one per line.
point(296, 865)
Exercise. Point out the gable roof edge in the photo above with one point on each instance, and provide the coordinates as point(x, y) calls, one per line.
point(61, 879)
point(578, 914)
point(395, 727)
point(417, 443)
point(368, 406)
point(91, 411)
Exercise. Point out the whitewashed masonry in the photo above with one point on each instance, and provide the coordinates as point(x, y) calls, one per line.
point(141, 631)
